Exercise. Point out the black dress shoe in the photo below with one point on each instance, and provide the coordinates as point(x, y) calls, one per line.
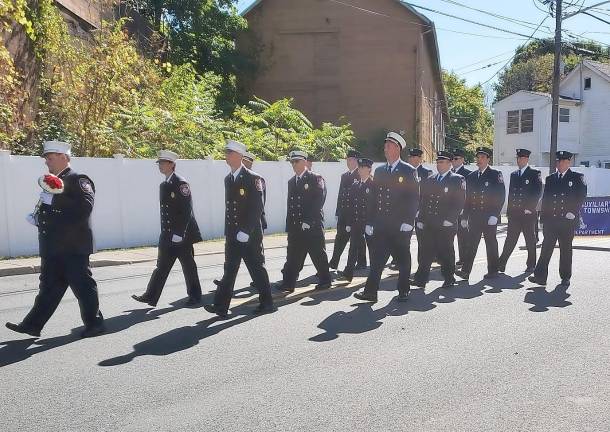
point(217, 282)
point(333, 264)
point(529, 270)
point(323, 286)
point(417, 283)
point(501, 268)
point(491, 275)
point(93, 331)
point(261, 310)
point(565, 283)
point(536, 281)
point(462, 274)
point(143, 299)
point(459, 263)
point(20, 328)
point(192, 301)
point(364, 297)
point(284, 288)
point(360, 267)
point(402, 297)
point(212, 309)
point(448, 283)
point(252, 285)
point(345, 276)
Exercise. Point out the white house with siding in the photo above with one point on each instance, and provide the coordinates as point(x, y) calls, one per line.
point(523, 120)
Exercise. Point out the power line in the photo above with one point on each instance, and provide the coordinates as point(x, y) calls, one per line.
point(482, 67)
point(482, 61)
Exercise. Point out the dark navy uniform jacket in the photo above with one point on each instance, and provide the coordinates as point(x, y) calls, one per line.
point(344, 197)
point(524, 192)
point(244, 203)
point(423, 172)
point(305, 201)
point(441, 200)
point(177, 217)
point(362, 204)
point(563, 196)
point(485, 194)
point(463, 171)
point(397, 197)
point(64, 226)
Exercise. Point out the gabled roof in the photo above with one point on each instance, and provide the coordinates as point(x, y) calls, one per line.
point(430, 36)
point(543, 95)
point(599, 68)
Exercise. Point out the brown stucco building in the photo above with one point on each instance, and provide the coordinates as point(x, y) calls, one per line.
point(373, 62)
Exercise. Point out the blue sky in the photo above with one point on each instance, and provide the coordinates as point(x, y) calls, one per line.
point(460, 52)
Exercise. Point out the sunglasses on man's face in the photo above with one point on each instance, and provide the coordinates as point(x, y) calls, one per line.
point(457, 158)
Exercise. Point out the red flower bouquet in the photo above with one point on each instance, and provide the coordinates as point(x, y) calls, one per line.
point(51, 183)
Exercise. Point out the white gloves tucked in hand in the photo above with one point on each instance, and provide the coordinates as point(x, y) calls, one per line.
point(368, 230)
point(406, 228)
point(176, 239)
point(348, 229)
point(46, 197)
point(305, 226)
point(420, 225)
point(242, 237)
point(31, 219)
point(447, 224)
point(527, 212)
point(464, 223)
point(570, 216)
point(492, 220)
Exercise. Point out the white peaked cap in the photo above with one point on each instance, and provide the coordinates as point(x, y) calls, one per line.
point(396, 139)
point(56, 147)
point(236, 146)
point(167, 155)
point(250, 156)
point(297, 155)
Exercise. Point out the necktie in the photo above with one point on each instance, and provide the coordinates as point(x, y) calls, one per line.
point(519, 175)
point(560, 176)
point(439, 178)
point(389, 168)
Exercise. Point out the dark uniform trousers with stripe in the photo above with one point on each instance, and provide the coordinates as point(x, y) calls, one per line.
point(362, 203)
point(485, 196)
point(177, 218)
point(441, 201)
point(462, 233)
point(560, 197)
point(244, 207)
point(304, 205)
point(397, 196)
point(65, 243)
point(344, 199)
point(523, 196)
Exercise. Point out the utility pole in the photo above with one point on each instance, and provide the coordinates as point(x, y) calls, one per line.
point(555, 92)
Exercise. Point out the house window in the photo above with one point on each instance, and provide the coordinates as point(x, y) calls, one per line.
point(587, 83)
point(512, 123)
point(527, 120)
point(585, 164)
point(607, 165)
point(564, 115)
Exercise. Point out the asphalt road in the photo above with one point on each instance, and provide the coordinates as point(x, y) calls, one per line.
point(500, 356)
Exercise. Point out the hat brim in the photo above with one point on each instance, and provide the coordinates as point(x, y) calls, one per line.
point(393, 141)
point(164, 159)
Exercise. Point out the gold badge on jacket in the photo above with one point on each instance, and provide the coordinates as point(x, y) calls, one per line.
point(242, 192)
point(306, 186)
point(173, 195)
point(400, 179)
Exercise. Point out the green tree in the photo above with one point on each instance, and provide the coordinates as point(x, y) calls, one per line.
point(532, 67)
point(470, 122)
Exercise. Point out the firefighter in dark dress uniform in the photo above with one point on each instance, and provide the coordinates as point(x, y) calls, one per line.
point(65, 242)
point(179, 231)
point(442, 199)
point(359, 209)
point(564, 193)
point(523, 196)
point(244, 204)
point(485, 194)
point(343, 201)
point(390, 225)
point(458, 161)
point(305, 224)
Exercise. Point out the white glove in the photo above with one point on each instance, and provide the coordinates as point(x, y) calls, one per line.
point(406, 228)
point(31, 219)
point(447, 224)
point(46, 197)
point(464, 223)
point(492, 220)
point(348, 229)
point(527, 212)
point(570, 215)
point(305, 226)
point(420, 225)
point(368, 230)
point(176, 239)
point(242, 237)
point(337, 218)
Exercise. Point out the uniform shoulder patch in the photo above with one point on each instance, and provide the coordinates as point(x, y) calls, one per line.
point(321, 184)
point(185, 190)
point(85, 185)
point(260, 184)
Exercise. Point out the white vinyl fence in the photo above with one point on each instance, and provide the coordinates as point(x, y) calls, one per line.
point(126, 212)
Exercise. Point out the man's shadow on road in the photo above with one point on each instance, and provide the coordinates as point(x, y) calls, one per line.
point(543, 300)
point(15, 351)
